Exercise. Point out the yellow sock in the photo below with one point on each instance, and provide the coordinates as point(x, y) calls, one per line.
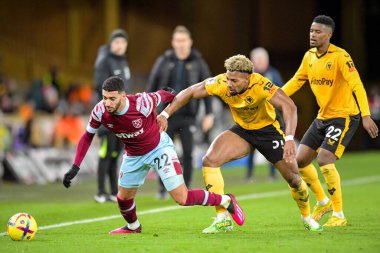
point(214, 182)
point(332, 179)
point(301, 196)
point(310, 176)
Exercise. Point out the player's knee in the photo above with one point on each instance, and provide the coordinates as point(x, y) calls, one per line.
point(325, 157)
point(294, 181)
point(211, 161)
point(180, 200)
point(302, 163)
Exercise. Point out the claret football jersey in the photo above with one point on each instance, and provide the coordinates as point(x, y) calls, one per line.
point(135, 125)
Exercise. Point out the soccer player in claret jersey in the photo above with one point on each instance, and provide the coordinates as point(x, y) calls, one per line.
point(133, 119)
point(335, 83)
point(252, 99)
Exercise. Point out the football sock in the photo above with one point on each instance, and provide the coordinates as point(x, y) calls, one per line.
point(310, 176)
point(301, 196)
point(338, 214)
point(222, 215)
point(323, 201)
point(332, 179)
point(214, 182)
point(202, 197)
point(127, 209)
point(134, 225)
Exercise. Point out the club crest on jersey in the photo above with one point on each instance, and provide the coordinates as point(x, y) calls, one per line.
point(137, 123)
point(329, 65)
point(249, 100)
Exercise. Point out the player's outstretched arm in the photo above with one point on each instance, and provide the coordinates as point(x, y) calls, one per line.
point(289, 111)
point(196, 91)
point(82, 148)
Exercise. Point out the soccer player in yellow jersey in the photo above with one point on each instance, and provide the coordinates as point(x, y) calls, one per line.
point(252, 99)
point(335, 83)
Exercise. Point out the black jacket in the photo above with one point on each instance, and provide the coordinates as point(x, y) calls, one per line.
point(195, 70)
point(108, 64)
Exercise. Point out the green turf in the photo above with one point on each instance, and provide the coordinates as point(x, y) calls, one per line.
point(272, 223)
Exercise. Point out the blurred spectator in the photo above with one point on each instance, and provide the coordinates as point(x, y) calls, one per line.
point(111, 60)
point(69, 126)
point(8, 95)
point(5, 143)
point(179, 68)
point(260, 58)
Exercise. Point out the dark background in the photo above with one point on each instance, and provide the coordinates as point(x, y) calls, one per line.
point(37, 34)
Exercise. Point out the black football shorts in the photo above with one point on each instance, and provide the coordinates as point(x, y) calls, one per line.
point(332, 134)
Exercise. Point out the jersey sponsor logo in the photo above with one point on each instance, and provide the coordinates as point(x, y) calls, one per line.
point(351, 66)
point(249, 108)
point(137, 123)
point(322, 81)
point(329, 65)
point(130, 135)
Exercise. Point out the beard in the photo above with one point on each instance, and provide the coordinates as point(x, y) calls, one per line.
point(116, 108)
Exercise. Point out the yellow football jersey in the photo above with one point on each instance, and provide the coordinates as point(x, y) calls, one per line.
point(333, 79)
point(251, 109)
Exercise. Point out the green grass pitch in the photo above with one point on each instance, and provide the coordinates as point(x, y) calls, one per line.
point(273, 222)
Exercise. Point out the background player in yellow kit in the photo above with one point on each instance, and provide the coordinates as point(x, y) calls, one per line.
point(334, 81)
point(251, 98)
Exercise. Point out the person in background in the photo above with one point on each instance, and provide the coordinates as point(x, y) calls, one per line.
point(261, 64)
point(178, 68)
point(110, 61)
point(342, 100)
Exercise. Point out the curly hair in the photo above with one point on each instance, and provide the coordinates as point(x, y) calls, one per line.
point(239, 63)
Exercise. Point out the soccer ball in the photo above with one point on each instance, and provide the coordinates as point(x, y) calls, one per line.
point(22, 227)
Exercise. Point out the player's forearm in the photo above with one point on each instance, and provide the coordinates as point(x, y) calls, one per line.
point(289, 112)
point(180, 100)
point(361, 97)
point(82, 148)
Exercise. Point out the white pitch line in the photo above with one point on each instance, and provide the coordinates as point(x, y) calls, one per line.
point(350, 182)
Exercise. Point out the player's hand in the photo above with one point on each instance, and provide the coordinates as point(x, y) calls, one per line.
point(289, 151)
point(162, 123)
point(70, 175)
point(169, 89)
point(207, 123)
point(370, 126)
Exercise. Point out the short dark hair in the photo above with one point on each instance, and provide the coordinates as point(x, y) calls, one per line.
point(326, 20)
point(114, 83)
point(182, 29)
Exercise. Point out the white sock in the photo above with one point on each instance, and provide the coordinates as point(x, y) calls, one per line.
point(221, 216)
point(134, 225)
point(225, 201)
point(338, 214)
point(323, 201)
point(306, 219)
